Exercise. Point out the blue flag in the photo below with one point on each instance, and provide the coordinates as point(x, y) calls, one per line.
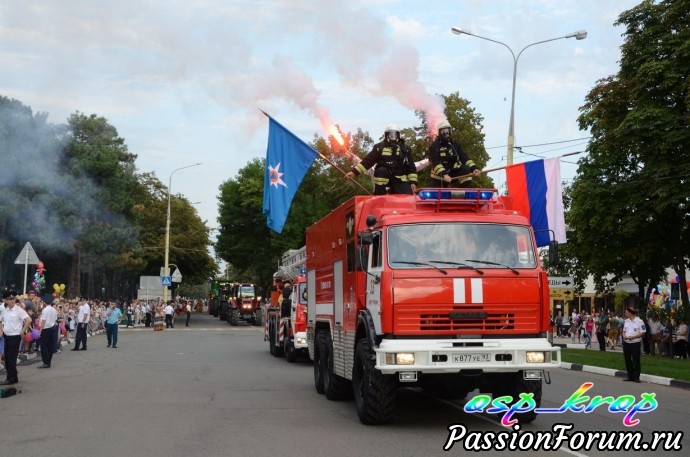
point(287, 161)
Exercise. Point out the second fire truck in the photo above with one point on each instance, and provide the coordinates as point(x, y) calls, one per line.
point(286, 313)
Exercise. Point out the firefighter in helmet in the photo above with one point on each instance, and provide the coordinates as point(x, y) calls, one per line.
point(449, 160)
point(395, 167)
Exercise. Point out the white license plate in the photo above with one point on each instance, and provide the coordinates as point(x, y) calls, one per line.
point(471, 358)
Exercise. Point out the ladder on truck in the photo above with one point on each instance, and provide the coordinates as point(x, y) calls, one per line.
point(293, 263)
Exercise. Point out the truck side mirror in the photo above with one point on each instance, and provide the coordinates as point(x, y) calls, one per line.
point(553, 253)
point(366, 238)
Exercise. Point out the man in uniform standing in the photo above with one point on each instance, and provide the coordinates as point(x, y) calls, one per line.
point(169, 310)
point(83, 318)
point(48, 330)
point(14, 322)
point(395, 167)
point(633, 331)
point(188, 309)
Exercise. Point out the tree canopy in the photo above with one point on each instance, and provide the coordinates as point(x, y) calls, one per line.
point(74, 192)
point(629, 211)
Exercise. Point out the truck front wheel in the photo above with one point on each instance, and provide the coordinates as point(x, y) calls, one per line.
point(374, 392)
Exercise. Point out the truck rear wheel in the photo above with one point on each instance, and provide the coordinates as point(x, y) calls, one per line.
point(335, 387)
point(513, 384)
point(271, 344)
point(374, 392)
point(277, 350)
point(289, 349)
point(234, 318)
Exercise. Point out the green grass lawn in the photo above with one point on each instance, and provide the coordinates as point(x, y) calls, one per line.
point(659, 366)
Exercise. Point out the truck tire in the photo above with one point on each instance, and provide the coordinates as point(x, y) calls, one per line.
point(257, 318)
point(234, 318)
point(277, 350)
point(318, 362)
point(289, 349)
point(374, 392)
point(513, 384)
point(271, 345)
point(335, 387)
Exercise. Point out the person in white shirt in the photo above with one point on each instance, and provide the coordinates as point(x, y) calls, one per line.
point(655, 329)
point(48, 329)
point(633, 331)
point(188, 308)
point(169, 310)
point(13, 323)
point(83, 318)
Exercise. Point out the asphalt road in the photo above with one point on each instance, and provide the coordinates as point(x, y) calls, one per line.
point(214, 390)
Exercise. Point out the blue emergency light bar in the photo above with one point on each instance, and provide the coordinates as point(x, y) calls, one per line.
point(302, 271)
point(455, 194)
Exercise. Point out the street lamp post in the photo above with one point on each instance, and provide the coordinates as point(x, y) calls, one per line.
point(579, 35)
point(166, 266)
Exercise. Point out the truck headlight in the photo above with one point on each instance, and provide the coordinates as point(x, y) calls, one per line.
point(400, 358)
point(535, 357)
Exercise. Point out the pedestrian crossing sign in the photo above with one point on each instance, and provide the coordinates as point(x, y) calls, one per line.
point(166, 281)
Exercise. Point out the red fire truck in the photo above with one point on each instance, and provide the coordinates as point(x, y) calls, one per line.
point(442, 290)
point(286, 319)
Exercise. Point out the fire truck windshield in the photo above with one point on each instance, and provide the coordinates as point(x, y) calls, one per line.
point(484, 245)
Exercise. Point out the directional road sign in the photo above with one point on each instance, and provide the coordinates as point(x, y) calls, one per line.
point(561, 282)
point(166, 281)
point(561, 294)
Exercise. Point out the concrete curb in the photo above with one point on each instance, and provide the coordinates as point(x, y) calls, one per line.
point(652, 379)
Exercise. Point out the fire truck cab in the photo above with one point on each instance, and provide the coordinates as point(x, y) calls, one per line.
point(442, 290)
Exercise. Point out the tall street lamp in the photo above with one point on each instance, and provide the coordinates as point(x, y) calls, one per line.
point(579, 35)
point(166, 266)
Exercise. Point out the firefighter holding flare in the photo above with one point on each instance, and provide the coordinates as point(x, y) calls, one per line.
point(449, 162)
point(395, 167)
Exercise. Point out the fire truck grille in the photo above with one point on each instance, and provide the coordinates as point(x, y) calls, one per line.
point(470, 319)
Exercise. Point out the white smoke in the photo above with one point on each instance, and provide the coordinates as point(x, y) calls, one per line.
point(220, 45)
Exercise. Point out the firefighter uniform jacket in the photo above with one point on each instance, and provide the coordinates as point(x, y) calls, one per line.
point(397, 158)
point(447, 156)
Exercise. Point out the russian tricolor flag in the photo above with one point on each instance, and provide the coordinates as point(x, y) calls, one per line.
point(535, 188)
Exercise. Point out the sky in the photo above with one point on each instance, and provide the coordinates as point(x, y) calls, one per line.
point(183, 80)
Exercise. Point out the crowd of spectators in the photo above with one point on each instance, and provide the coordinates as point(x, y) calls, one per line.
point(138, 313)
point(605, 328)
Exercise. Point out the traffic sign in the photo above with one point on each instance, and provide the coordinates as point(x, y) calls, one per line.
point(176, 276)
point(561, 282)
point(561, 294)
point(166, 281)
point(27, 256)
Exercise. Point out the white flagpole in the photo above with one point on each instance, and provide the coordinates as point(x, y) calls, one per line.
point(26, 268)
